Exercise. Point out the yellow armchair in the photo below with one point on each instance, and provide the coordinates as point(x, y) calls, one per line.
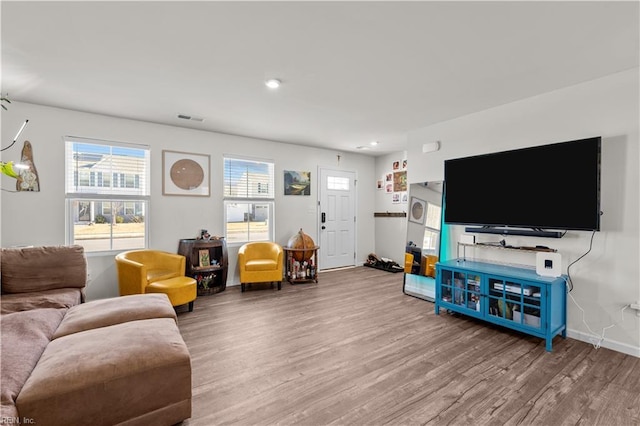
point(155, 271)
point(408, 263)
point(260, 262)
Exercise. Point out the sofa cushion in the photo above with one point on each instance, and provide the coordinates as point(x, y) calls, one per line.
point(31, 269)
point(106, 312)
point(60, 298)
point(25, 336)
point(109, 375)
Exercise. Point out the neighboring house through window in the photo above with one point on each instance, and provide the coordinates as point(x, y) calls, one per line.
point(107, 192)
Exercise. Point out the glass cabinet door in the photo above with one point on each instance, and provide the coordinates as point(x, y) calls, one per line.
point(446, 282)
point(461, 288)
point(515, 301)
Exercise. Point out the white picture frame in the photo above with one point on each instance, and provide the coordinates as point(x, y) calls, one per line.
point(185, 173)
point(417, 210)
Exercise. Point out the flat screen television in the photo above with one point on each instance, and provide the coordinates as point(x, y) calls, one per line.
point(548, 187)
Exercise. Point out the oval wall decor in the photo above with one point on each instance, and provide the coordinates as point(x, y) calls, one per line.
point(186, 174)
point(418, 210)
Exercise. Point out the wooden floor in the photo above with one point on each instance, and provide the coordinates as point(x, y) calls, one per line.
point(354, 350)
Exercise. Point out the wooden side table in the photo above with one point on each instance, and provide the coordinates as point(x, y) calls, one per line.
point(300, 275)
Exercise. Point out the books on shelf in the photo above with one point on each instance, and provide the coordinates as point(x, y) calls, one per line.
point(473, 283)
point(473, 280)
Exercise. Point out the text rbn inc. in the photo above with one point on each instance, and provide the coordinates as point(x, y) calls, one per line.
point(17, 421)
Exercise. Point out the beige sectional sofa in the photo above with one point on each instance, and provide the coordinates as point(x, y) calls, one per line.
point(105, 362)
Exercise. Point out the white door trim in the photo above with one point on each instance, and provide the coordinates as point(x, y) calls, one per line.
point(354, 194)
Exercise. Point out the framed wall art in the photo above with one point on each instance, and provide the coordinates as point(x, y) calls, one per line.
point(399, 181)
point(297, 183)
point(417, 210)
point(184, 173)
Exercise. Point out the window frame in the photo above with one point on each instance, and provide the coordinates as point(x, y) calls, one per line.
point(116, 194)
point(436, 231)
point(269, 201)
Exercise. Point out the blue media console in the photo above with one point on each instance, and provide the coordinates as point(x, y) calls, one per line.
point(509, 296)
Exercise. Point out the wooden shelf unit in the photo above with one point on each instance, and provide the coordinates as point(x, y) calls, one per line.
point(213, 277)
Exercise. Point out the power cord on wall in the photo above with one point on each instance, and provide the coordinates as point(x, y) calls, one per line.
point(594, 339)
point(570, 282)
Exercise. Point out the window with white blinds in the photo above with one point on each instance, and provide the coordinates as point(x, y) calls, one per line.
point(98, 167)
point(107, 191)
point(249, 192)
point(248, 178)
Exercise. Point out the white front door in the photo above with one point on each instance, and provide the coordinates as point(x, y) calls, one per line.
point(337, 219)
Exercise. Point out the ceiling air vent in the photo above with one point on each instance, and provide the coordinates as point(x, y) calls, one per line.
point(191, 118)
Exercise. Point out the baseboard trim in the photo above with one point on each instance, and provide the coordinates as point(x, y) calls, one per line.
point(339, 268)
point(606, 343)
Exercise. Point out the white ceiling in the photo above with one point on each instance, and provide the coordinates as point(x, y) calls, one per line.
point(352, 72)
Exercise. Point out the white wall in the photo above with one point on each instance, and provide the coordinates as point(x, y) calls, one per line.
point(390, 232)
point(608, 278)
point(39, 218)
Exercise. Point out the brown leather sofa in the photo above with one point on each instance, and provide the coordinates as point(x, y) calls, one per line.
point(104, 362)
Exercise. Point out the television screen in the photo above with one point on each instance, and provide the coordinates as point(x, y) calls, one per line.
point(554, 186)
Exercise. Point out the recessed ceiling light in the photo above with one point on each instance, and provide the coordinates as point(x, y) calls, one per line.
point(273, 83)
point(363, 147)
point(374, 143)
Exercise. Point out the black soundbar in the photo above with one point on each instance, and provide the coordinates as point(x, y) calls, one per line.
point(515, 231)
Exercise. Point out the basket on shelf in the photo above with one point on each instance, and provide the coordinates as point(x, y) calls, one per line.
point(206, 284)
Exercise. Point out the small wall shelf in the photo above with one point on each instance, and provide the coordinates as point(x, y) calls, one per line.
point(390, 214)
point(501, 247)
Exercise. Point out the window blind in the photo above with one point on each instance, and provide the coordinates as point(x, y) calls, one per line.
point(248, 179)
